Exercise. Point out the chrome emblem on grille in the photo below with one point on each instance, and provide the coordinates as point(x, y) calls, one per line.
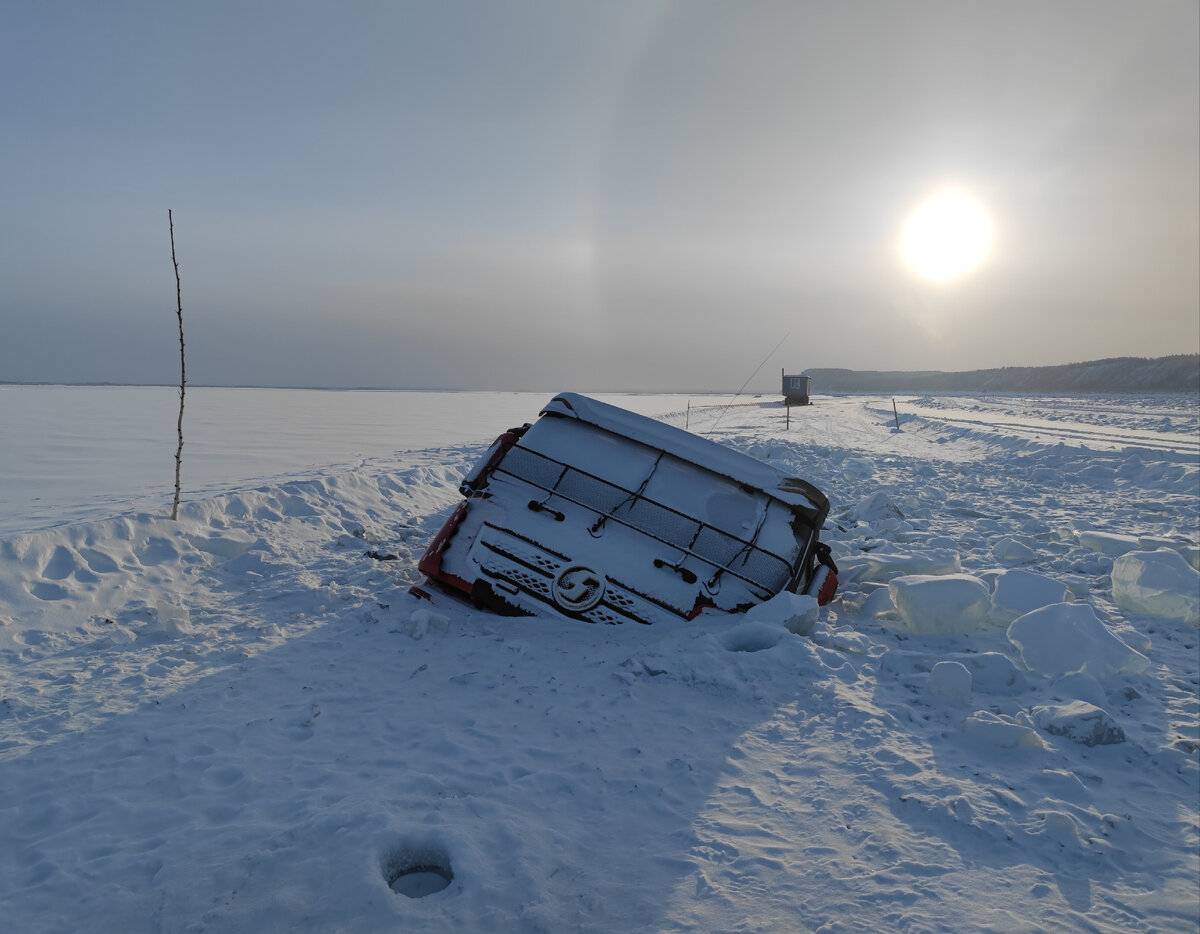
point(578, 588)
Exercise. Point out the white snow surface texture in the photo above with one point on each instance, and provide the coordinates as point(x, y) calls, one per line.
point(243, 722)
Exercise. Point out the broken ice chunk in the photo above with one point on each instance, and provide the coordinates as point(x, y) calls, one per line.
point(1010, 551)
point(797, 612)
point(1157, 583)
point(1019, 592)
point(952, 604)
point(1108, 543)
point(1067, 637)
point(1080, 722)
point(951, 682)
point(882, 567)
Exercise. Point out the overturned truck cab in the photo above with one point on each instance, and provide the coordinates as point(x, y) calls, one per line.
point(603, 515)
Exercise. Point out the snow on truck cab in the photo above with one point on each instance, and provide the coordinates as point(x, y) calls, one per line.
point(603, 515)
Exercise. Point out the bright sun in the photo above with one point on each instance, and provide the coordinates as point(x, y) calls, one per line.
point(947, 236)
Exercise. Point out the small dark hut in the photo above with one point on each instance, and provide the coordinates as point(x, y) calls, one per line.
point(796, 389)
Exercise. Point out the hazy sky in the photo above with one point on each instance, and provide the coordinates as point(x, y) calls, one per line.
point(588, 195)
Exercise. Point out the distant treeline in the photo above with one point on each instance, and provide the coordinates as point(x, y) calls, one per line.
point(1179, 373)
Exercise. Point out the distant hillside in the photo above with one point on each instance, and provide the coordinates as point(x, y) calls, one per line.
point(1180, 373)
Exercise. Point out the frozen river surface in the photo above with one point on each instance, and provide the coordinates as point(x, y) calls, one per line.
point(72, 453)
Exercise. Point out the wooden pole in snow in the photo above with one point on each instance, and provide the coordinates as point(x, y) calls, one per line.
point(895, 413)
point(182, 369)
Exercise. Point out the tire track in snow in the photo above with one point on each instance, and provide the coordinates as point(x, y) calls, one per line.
point(1101, 438)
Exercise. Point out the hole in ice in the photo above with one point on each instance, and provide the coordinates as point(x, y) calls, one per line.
point(417, 871)
point(420, 881)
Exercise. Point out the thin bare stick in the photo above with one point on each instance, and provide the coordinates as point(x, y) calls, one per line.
point(182, 369)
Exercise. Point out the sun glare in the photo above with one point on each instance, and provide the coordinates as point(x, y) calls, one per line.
point(947, 236)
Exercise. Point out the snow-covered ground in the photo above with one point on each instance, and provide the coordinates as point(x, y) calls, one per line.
point(242, 721)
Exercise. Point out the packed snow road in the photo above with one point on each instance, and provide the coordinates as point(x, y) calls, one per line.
point(243, 721)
